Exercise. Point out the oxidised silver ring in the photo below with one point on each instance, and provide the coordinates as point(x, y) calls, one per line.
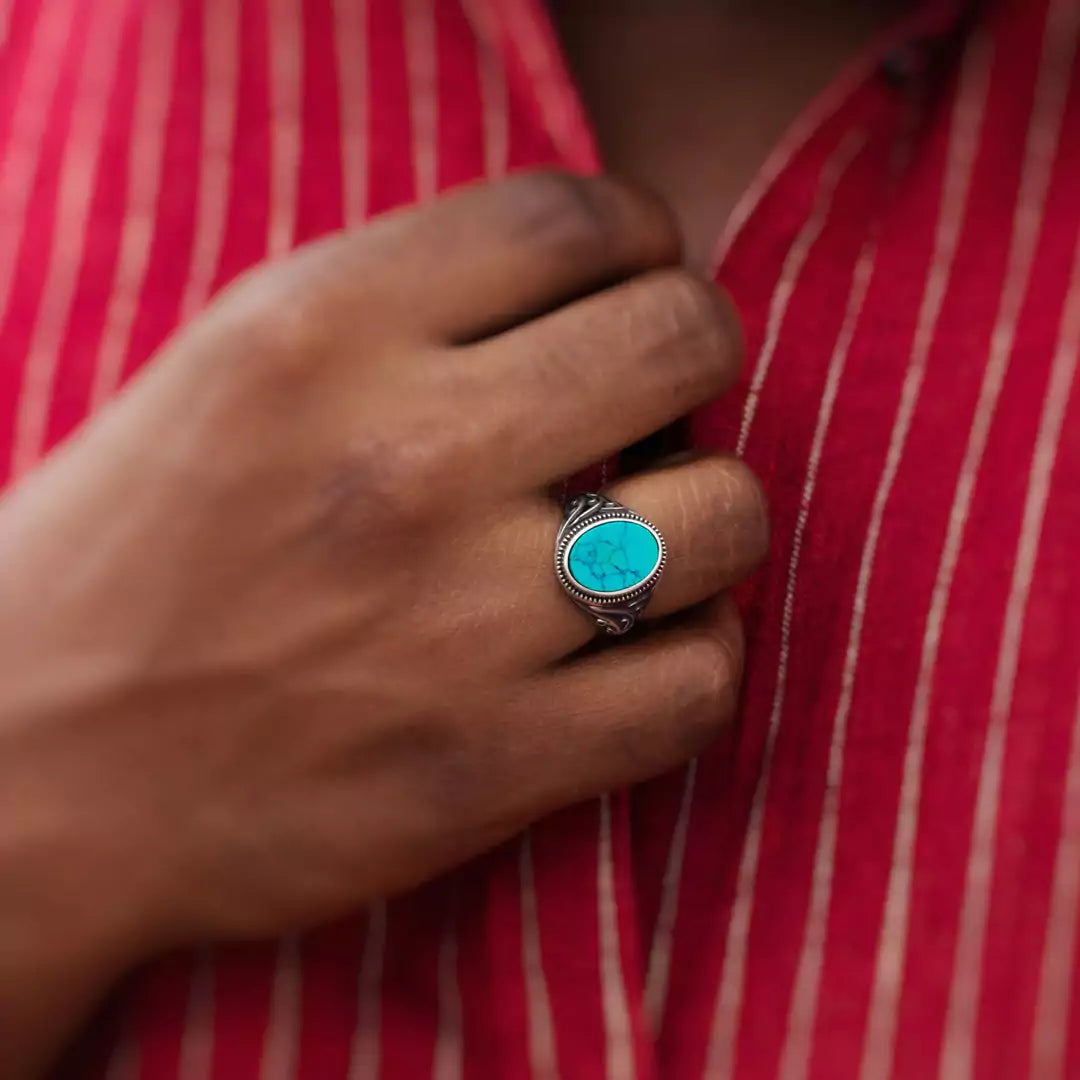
point(608, 559)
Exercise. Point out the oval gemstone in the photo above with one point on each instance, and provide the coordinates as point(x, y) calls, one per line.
point(613, 556)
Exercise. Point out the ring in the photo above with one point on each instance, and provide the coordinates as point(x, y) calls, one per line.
point(608, 559)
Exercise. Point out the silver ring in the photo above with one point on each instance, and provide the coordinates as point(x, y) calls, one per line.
point(608, 559)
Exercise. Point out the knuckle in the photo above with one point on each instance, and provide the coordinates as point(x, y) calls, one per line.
point(696, 315)
point(745, 485)
point(576, 216)
point(561, 205)
point(284, 323)
point(690, 298)
point(708, 691)
point(298, 326)
point(736, 333)
point(747, 512)
point(698, 309)
point(321, 298)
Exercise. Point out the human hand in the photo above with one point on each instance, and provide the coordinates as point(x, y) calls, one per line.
point(280, 631)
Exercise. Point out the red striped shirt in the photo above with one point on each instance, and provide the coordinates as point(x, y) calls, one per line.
point(878, 874)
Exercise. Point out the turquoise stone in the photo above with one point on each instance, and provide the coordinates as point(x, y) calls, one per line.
point(612, 556)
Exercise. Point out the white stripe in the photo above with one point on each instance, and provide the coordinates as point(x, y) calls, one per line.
point(420, 60)
point(791, 271)
point(365, 1057)
point(961, 1019)
point(493, 89)
point(197, 1038)
point(281, 1044)
point(6, 8)
point(658, 973)
point(157, 52)
point(448, 1036)
point(725, 1024)
point(22, 154)
point(619, 1031)
point(286, 31)
point(659, 966)
point(543, 1057)
point(220, 51)
point(817, 114)
point(1035, 178)
point(554, 96)
point(78, 172)
point(350, 41)
point(1050, 1035)
point(963, 145)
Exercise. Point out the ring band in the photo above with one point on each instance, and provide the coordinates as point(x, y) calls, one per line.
point(608, 559)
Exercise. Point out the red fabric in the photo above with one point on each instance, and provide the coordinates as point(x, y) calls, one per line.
point(877, 874)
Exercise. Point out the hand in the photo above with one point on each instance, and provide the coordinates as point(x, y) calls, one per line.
point(279, 630)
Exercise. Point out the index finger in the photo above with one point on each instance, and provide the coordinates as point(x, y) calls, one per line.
point(490, 256)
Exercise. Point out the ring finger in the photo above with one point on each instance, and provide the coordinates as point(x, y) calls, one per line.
point(711, 513)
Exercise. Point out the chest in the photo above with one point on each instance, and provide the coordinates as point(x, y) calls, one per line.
point(911, 299)
point(690, 98)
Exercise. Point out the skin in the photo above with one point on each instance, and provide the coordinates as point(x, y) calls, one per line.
point(279, 630)
point(302, 645)
point(689, 96)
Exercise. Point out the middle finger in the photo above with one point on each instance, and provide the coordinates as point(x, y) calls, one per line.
point(582, 383)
